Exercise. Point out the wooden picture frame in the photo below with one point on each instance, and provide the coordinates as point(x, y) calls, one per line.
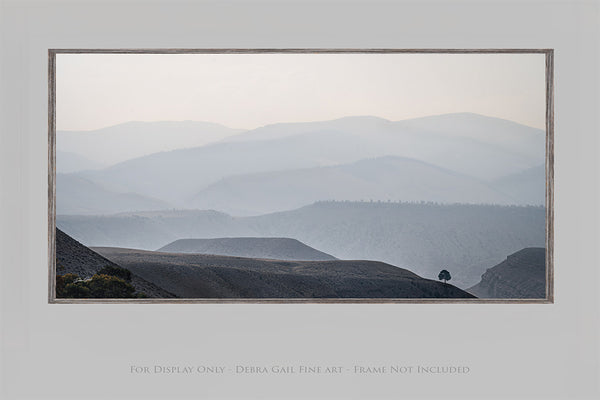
point(549, 166)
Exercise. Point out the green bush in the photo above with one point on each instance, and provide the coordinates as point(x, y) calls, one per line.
point(100, 286)
point(114, 270)
point(61, 283)
point(76, 291)
point(107, 286)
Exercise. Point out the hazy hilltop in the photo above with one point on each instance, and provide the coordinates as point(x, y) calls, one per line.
point(516, 137)
point(211, 276)
point(424, 238)
point(129, 140)
point(74, 258)
point(528, 186)
point(253, 247)
point(355, 125)
point(509, 135)
point(384, 178)
point(78, 195)
point(521, 275)
point(481, 147)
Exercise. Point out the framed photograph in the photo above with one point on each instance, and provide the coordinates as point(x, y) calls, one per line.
point(218, 200)
point(301, 175)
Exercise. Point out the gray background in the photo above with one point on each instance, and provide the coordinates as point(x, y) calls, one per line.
point(84, 351)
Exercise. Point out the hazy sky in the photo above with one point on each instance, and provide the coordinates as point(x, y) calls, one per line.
point(252, 90)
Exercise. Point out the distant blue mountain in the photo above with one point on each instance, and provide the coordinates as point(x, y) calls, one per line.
point(480, 147)
point(388, 178)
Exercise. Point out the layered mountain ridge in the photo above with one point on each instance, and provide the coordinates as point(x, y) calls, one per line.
point(480, 149)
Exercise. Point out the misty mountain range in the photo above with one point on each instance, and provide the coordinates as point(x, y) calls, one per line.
point(464, 158)
point(384, 178)
point(458, 191)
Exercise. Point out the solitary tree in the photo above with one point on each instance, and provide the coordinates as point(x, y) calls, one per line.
point(444, 276)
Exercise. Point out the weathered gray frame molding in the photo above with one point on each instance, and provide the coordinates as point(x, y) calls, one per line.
point(549, 55)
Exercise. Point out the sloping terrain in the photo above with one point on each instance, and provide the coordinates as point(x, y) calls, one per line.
point(384, 178)
point(252, 247)
point(210, 276)
point(521, 276)
point(425, 238)
point(73, 257)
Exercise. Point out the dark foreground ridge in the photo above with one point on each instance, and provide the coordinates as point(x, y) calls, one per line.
point(252, 247)
point(74, 258)
point(521, 276)
point(212, 276)
point(424, 238)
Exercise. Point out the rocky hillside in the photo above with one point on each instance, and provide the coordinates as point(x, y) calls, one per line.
point(521, 276)
point(211, 276)
point(74, 258)
point(253, 247)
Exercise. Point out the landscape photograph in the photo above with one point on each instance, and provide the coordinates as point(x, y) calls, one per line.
point(307, 176)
